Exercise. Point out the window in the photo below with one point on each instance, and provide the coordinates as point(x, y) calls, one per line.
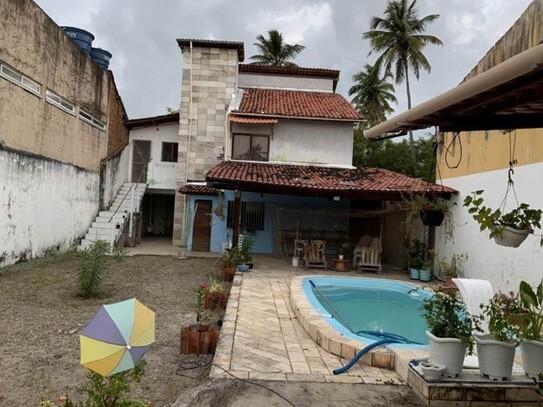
point(59, 102)
point(88, 118)
point(250, 147)
point(19, 79)
point(252, 215)
point(169, 152)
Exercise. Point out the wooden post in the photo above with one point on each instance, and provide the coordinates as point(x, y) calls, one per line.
point(235, 217)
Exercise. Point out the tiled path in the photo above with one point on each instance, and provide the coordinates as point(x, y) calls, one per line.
point(262, 339)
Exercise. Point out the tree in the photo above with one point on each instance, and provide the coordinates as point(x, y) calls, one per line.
point(274, 51)
point(399, 39)
point(394, 155)
point(372, 94)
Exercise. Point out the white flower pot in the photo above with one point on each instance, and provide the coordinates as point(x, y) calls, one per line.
point(511, 237)
point(340, 256)
point(495, 357)
point(449, 352)
point(295, 261)
point(532, 357)
point(432, 371)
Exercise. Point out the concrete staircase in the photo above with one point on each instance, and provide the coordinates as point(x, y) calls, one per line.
point(110, 223)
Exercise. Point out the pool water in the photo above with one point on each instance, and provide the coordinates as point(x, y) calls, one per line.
point(360, 306)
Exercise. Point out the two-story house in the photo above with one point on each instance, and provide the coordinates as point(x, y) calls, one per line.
point(269, 150)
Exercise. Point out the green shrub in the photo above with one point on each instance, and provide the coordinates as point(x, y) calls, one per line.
point(91, 266)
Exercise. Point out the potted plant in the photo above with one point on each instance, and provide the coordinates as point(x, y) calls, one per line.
point(451, 269)
point(245, 246)
point(216, 295)
point(432, 210)
point(531, 327)
point(507, 229)
point(219, 209)
point(449, 330)
point(496, 349)
point(417, 256)
point(425, 273)
point(229, 261)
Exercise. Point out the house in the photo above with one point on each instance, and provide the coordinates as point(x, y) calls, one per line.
point(269, 150)
point(494, 117)
point(61, 116)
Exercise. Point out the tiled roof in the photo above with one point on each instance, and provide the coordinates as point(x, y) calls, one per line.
point(323, 181)
point(289, 71)
point(185, 42)
point(296, 104)
point(251, 120)
point(190, 189)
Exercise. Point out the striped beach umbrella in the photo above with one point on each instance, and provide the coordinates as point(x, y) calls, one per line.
point(117, 337)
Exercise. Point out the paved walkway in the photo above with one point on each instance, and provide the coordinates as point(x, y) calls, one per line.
point(261, 338)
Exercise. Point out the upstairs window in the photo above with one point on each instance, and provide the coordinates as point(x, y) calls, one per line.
point(169, 152)
point(17, 78)
point(90, 119)
point(59, 102)
point(250, 147)
point(252, 215)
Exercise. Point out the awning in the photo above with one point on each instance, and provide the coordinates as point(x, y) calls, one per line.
point(252, 120)
point(507, 96)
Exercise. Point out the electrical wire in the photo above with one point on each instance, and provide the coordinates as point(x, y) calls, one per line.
point(257, 384)
point(451, 146)
point(192, 365)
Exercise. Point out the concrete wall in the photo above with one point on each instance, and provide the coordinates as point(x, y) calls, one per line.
point(36, 47)
point(160, 175)
point(209, 81)
point(305, 141)
point(117, 132)
point(45, 206)
point(285, 82)
point(504, 267)
point(115, 172)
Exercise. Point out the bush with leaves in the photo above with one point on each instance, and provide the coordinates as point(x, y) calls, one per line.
point(105, 391)
point(91, 266)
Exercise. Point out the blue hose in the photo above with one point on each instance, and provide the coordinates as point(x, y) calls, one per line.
point(382, 342)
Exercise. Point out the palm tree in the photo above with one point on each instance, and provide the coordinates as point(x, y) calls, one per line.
point(399, 38)
point(274, 51)
point(372, 94)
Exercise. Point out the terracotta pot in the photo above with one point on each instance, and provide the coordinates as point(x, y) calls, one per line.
point(227, 273)
point(199, 339)
point(215, 300)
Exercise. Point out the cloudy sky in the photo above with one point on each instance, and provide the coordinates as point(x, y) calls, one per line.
point(146, 60)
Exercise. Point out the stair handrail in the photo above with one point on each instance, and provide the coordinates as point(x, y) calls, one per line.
point(130, 190)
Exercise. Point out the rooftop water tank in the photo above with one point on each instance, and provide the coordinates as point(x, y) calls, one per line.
point(81, 37)
point(101, 57)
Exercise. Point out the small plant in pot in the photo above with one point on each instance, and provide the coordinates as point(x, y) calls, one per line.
point(449, 330)
point(496, 345)
point(230, 259)
point(417, 257)
point(431, 210)
point(244, 258)
point(451, 269)
point(531, 327)
point(216, 295)
point(507, 229)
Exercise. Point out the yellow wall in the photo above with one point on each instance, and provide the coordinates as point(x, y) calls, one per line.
point(480, 151)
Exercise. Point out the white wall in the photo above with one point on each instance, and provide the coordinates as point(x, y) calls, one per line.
point(285, 82)
point(115, 175)
point(305, 141)
point(504, 267)
point(160, 175)
point(46, 206)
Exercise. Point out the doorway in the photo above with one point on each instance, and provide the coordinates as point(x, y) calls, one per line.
point(140, 159)
point(201, 232)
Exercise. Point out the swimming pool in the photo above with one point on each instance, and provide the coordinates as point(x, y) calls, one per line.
point(365, 306)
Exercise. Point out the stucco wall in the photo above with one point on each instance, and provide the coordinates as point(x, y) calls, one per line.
point(117, 132)
point(36, 47)
point(285, 82)
point(45, 206)
point(115, 174)
point(305, 141)
point(160, 175)
point(504, 267)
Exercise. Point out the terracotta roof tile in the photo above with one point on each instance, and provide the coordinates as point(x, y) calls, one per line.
point(326, 180)
point(190, 189)
point(295, 103)
point(252, 120)
point(289, 71)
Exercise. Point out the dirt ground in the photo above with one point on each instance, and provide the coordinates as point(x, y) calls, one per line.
point(41, 315)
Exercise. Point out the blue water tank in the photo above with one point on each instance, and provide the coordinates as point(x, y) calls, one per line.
point(81, 37)
point(101, 57)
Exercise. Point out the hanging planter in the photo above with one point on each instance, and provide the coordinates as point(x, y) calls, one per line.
point(432, 217)
point(507, 229)
point(511, 237)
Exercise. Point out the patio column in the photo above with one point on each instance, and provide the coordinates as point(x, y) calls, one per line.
point(235, 217)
